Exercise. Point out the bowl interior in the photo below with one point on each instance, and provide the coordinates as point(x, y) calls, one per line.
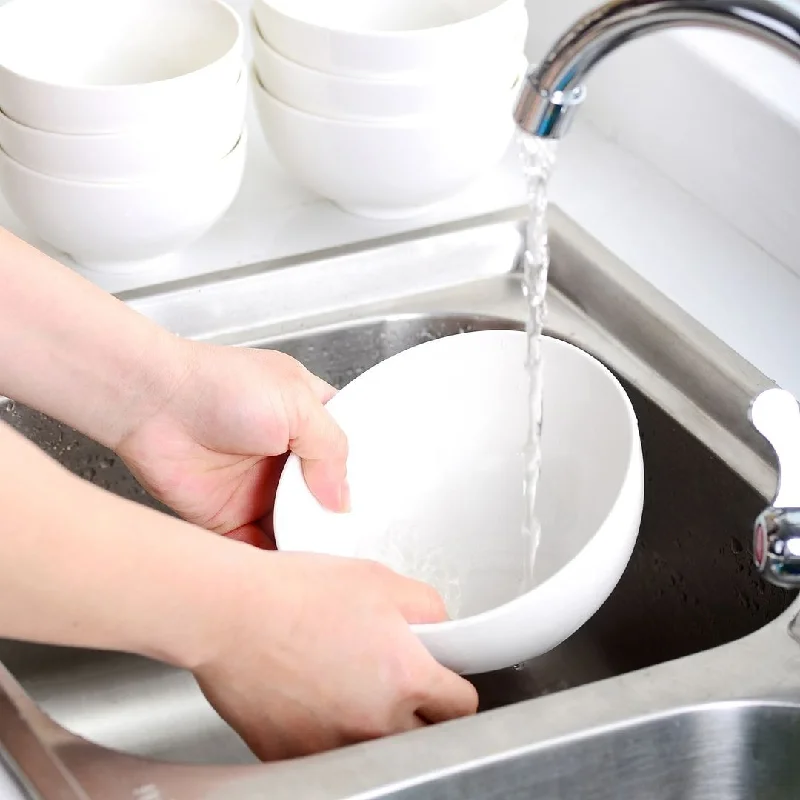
point(436, 467)
point(101, 43)
point(383, 15)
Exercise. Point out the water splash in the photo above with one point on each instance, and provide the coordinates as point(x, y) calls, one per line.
point(538, 158)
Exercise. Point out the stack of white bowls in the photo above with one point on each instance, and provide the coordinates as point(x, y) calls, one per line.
point(122, 131)
point(387, 107)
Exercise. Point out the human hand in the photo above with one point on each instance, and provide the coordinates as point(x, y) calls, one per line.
point(215, 449)
point(321, 655)
point(313, 651)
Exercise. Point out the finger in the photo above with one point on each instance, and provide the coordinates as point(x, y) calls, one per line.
point(411, 723)
point(254, 535)
point(418, 602)
point(323, 390)
point(322, 447)
point(267, 526)
point(451, 697)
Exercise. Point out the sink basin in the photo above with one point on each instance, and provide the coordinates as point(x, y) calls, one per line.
point(631, 704)
point(678, 596)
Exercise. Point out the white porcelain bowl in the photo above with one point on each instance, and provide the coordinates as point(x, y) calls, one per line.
point(387, 169)
point(121, 226)
point(382, 37)
point(139, 153)
point(436, 471)
point(102, 66)
point(328, 95)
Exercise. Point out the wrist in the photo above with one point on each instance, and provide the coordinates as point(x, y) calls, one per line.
point(110, 364)
point(227, 584)
point(127, 577)
point(148, 375)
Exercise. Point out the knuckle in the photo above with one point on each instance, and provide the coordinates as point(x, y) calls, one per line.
point(434, 602)
point(368, 725)
point(339, 444)
point(471, 699)
point(376, 571)
point(410, 685)
point(407, 667)
point(283, 361)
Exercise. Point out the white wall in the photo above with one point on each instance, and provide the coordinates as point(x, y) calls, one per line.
point(715, 112)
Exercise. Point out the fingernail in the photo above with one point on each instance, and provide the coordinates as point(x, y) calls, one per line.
point(344, 497)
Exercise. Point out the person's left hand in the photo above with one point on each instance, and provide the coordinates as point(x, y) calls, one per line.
point(214, 451)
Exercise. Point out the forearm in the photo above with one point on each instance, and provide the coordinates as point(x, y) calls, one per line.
point(75, 352)
point(82, 567)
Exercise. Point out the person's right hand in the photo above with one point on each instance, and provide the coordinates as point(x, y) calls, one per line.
point(319, 654)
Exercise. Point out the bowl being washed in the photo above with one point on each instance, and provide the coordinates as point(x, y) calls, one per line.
point(436, 471)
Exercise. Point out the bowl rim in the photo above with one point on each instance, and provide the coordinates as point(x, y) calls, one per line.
point(633, 469)
point(236, 43)
point(92, 138)
point(400, 80)
point(415, 122)
point(499, 9)
point(149, 181)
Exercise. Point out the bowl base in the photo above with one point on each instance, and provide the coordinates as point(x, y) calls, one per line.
point(91, 266)
point(391, 213)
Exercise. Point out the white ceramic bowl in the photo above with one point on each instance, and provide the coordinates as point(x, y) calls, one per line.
point(136, 153)
point(387, 169)
point(101, 66)
point(381, 37)
point(121, 226)
point(328, 95)
point(436, 471)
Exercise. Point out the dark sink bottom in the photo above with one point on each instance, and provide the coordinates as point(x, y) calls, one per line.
point(690, 584)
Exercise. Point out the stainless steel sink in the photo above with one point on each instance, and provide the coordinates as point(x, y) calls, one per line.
point(638, 703)
point(727, 751)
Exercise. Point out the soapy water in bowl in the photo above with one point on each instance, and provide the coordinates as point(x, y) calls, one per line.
point(484, 580)
point(404, 548)
point(406, 552)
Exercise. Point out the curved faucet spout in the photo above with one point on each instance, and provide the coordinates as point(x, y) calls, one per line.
point(554, 88)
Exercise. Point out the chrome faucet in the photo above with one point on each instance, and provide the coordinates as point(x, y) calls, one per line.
point(553, 89)
point(550, 95)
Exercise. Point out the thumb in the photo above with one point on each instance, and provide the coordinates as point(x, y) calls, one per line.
point(321, 446)
point(417, 601)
